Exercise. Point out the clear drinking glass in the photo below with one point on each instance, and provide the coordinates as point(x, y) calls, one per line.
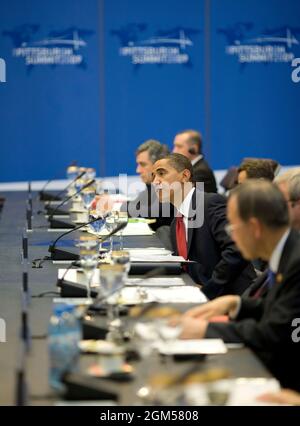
point(121, 217)
point(111, 281)
point(87, 197)
point(72, 172)
point(88, 262)
point(167, 335)
point(110, 224)
point(90, 173)
point(121, 257)
point(97, 227)
point(88, 242)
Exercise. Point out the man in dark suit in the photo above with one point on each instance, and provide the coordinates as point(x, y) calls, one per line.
point(189, 143)
point(198, 232)
point(259, 223)
point(146, 204)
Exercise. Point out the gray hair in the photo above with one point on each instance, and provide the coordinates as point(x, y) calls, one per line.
point(155, 149)
point(287, 176)
point(263, 200)
point(294, 188)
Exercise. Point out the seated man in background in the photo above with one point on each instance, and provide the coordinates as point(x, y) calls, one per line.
point(189, 144)
point(289, 185)
point(146, 204)
point(198, 232)
point(259, 224)
point(255, 168)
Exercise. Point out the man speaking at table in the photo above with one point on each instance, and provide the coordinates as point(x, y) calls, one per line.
point(198, 231)
point(146, 204)
point(259, 223)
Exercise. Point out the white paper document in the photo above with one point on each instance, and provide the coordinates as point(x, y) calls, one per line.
point(152, 251)
point(180, 294)
point(156, 258)
point(156, 282)
point(132, 229)
point(192, 347)
point(77, 276)
point(76, 301)
point(234, 392)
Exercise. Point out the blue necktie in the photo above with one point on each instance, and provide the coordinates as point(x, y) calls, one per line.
point(271, 278)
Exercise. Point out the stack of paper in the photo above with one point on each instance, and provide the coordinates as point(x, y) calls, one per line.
point(132, 229)
point(192, 347)
point(241, 391)
point(180, 294)
point(156, 282)
point(77, 276)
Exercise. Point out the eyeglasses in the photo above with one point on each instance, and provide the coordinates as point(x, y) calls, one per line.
point(230, 228)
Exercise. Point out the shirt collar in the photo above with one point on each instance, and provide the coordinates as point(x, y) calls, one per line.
point(195, 160)
point(184, 207)
point(277, 252)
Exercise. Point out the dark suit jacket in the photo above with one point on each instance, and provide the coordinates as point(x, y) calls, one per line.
point(265, 325)
point(203, 173)
point(220, 267)
point(147, 205)
point(259, 285)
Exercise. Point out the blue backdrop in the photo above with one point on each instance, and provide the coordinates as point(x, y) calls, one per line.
point(50, 114)
point(91, 80)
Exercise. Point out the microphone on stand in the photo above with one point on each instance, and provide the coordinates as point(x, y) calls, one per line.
point(61, 280)
point(59, 224)
point(57, 254)
point(57, 197)
point(45, 196)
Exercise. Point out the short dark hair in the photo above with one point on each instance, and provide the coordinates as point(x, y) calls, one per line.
point(257, 168)
point(180, 162)
point(263, 200)
point(155, 149)
point(195, 138)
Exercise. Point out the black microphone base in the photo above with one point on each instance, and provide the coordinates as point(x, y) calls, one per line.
point(59, 224)
point(57, 254)
point(83, 387)
point(95, 329)
point(47, 196)
point(51, 210)
point(70, 289)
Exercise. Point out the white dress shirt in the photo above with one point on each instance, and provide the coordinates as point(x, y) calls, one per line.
point(195, 160)
point(184, 210)
point(277, 253)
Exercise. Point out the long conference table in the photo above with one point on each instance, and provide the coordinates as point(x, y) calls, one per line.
point(241, 362)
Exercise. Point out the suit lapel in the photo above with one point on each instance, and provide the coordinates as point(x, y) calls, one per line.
point(190, 237)
point(283, 267)
point(173, 235)
point(191, 219)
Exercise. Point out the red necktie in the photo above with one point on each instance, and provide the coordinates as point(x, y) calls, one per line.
point(181, 237)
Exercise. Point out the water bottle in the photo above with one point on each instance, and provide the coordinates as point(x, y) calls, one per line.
point(63, 338)
point(74, 334)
